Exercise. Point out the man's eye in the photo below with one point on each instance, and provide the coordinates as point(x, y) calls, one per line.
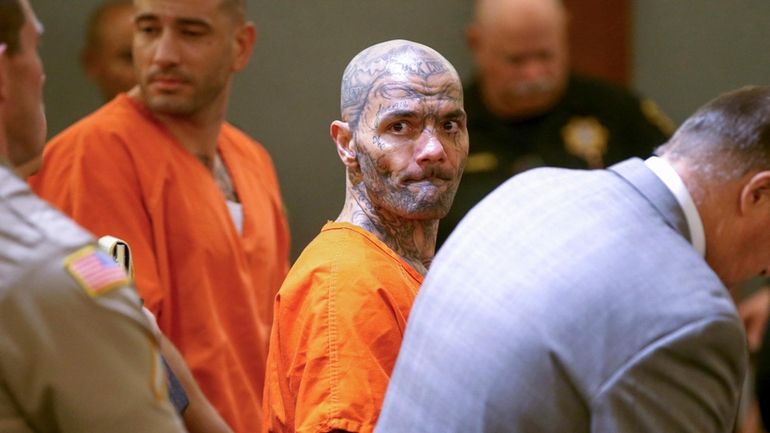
point(398, 127)
point(148, 30)
point(193, 30)
point(451, 126)
point(515, 60)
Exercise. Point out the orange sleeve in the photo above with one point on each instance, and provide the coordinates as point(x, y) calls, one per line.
point(336, 335)
point(90, 176)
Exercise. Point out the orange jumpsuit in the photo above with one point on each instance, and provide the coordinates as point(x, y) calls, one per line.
point(120, 172)
point(339, 320)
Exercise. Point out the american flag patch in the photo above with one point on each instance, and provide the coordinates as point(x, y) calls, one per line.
point(95, 271)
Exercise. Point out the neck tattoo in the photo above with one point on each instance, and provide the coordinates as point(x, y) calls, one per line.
point(221, 176)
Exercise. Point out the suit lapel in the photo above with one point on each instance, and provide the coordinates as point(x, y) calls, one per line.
point(635, 172)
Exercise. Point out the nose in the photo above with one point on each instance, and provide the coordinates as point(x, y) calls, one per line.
point(533, 69)
point(166, 49)
point(430, 150)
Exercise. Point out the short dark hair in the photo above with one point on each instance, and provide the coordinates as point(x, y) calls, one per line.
point(731, 131)
point(11, 22)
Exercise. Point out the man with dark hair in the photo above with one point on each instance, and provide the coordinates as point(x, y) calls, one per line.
point(76, 352)
point(106, 56)
point(572, 300)
point(197, 200)
point(341, 313)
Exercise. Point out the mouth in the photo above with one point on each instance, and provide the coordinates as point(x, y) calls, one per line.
point(425, 183)
point(532, 89)
point(167, 82)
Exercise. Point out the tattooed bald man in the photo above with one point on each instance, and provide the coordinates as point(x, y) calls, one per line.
point(340, 314)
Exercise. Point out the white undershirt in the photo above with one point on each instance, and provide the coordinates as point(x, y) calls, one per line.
point(236, 212)
point(674, 183)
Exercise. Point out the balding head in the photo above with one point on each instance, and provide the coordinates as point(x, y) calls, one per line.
point(491, 13)
point(99, 21)
point(106, 56)
point(521, 55)
point(375, 66)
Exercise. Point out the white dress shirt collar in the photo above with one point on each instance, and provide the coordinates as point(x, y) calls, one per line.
point(671, 179)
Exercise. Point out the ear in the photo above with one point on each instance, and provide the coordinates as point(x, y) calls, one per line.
point(343, 138)
point(245, 38)
point(755, 194)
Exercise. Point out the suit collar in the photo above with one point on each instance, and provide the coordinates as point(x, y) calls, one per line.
point(644, 180)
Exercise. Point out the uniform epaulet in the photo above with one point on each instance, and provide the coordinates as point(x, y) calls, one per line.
point(654, 115)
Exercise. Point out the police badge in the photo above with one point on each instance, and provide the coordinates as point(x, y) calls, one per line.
point(586, 138)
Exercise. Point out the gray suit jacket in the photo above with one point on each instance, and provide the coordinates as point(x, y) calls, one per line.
point(570, 301)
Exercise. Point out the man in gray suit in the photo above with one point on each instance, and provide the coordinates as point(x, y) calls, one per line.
point(596, 301)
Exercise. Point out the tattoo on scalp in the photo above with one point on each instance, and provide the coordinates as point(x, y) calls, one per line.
point(370, 69)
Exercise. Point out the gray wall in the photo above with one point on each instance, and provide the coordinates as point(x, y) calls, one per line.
point(688, 51)
point(685, 52)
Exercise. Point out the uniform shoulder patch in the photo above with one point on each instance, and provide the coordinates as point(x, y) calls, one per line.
point(95, 271)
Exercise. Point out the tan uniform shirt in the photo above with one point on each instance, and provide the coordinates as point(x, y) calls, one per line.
point(76, 352)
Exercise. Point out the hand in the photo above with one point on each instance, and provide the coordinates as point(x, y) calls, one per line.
point(754, 312)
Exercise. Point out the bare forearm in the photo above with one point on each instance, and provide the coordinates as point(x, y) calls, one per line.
point(200, 416)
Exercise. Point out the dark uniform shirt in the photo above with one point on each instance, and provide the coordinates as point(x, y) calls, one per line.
point(594, 125)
